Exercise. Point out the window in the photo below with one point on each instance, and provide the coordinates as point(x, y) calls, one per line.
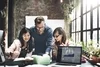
point(95, 36)
point(95, 18)
point(88, 5)
point(84, 6)
point(99, 36)
point(86, 24)
point(88, 20)
point(78, 37)
point(73, 36)
point(78, 24)
point(73, 26)
point(99, 16)
point(99, 2)
point(84, 36)
point(78, 10)
point(84, 21)
point(94, 3)
point(88, 36)
point(74, 14)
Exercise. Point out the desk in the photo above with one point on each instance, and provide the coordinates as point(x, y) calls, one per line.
point(10, 63)
point(15, 64)
point(87, 64)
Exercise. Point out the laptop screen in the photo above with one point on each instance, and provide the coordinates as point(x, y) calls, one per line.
point(69, 54)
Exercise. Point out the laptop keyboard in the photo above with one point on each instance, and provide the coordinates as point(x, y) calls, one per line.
point(66, 64)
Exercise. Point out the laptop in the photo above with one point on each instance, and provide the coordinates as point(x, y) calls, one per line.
point(69, 55)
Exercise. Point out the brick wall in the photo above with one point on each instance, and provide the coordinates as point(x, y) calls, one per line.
point(22, 8)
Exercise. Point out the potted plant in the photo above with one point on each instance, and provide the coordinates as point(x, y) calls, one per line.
point(95, 55)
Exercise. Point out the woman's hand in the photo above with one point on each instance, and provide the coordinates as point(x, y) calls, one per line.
point(8, 53)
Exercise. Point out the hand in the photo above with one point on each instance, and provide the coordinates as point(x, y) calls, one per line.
point(8, 53)
point(47, 53)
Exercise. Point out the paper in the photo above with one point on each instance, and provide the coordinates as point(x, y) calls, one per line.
point(24, 59)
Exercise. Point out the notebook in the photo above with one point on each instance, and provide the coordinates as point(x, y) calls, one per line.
point(69, 55)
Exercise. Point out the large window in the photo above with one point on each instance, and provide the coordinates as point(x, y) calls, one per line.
point(95, 18)
point(86, 25)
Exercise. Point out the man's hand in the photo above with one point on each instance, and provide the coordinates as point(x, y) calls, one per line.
point(47, 53)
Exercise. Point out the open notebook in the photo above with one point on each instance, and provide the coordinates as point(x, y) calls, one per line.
point(69, 55)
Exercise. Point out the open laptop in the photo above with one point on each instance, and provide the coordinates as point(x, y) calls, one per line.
point(69, 55)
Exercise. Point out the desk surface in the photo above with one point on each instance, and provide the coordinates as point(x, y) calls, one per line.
point(87, 64)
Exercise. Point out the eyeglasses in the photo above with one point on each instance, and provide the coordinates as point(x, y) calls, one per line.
point(56, 36)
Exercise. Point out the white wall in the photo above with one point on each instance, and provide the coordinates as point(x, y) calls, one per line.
point(30, 20)
point(53, 23)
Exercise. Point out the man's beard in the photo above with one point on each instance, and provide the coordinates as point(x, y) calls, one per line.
point(40, 32)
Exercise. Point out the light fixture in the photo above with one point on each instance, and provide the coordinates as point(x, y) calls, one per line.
point(61, 1)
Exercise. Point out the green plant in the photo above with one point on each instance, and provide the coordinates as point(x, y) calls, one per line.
point(89, 49)
point(96, 52)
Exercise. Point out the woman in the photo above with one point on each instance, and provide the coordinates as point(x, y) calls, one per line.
point(21, 46)
point(60, 40)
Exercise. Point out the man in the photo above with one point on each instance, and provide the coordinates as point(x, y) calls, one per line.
point(42, 36)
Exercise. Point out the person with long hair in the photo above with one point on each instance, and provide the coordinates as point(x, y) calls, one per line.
point(22, 45)
point(59, 40)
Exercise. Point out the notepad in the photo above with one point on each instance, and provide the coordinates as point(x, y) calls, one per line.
point(24, 59)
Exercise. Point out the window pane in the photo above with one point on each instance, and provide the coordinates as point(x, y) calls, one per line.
point(78, 24)
point(78, 37)
point(73, 27)
point(95, 36)
point(84, 6)
point(78, 10)
point(74, 13)
point(88, 20)
point(84, 22)
point(71, 15)
point(99, 36)
point(94, 3)
point(99, 16)
point(84, 36)
point(88, 36)
point(73, 37)
point(88, 5)
point(95, 18)
point(99, 2)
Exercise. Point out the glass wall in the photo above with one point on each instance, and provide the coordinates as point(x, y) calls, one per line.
point(85, 25)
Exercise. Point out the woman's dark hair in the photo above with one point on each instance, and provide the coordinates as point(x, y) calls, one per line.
point(61, 32)
point(30, 43)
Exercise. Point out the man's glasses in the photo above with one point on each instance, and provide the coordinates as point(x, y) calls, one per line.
point(56, 36)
